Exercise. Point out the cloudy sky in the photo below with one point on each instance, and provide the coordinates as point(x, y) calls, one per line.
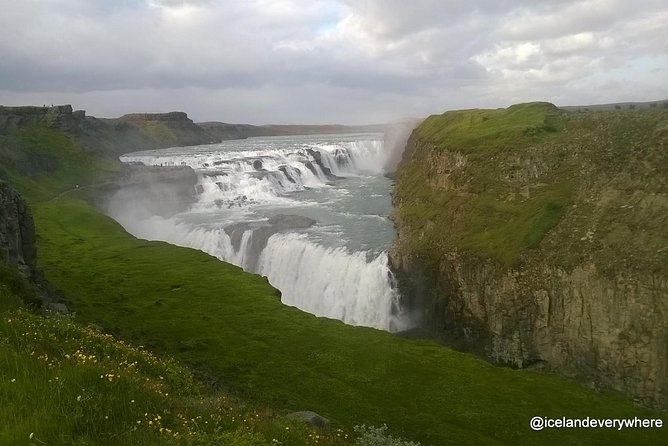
point(326, 61)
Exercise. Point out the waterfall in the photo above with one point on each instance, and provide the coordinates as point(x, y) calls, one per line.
point(239, 181)
point(262, 176)
point(348, 286)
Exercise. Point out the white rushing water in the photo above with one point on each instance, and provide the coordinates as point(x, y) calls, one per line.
point(308, 212)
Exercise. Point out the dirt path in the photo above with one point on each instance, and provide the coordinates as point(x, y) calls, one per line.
point(80, 188)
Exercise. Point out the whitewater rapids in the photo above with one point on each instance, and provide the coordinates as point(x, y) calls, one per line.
point(308, 212)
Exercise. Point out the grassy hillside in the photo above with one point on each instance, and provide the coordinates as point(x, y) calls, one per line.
point(503, 178)
point(230, 327)
point(64, 383)
point(43, 162)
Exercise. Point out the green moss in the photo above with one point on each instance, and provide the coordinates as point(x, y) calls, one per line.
point(503, 229)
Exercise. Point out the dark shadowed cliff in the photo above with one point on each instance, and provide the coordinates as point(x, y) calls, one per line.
point(17, 232)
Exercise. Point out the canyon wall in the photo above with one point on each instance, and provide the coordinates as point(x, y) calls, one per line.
point(536, 237)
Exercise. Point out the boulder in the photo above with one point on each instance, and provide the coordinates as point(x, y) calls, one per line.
point(55, 307)
point(317, 156)
point(285, 221)
point(310, 418)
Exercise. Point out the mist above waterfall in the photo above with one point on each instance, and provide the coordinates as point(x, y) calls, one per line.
point(308, 212)
point(394, 142)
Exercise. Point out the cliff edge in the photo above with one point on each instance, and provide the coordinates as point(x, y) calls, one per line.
point(537, 237)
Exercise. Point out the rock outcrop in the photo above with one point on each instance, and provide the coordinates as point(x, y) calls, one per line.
point(261, 231)
point(148, 117)
point(221, 131)
point(113, 137)
point(61, 117)
point(18, 250)
point(309, 418)
point(537, 238)
point(17, 232)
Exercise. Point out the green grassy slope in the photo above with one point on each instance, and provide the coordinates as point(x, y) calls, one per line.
point(63, 383)
point(230, 324)
point(42, 162)
point(502, 179)
point(232, 328)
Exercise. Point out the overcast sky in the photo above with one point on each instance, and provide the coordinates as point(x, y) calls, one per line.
point(326, 61)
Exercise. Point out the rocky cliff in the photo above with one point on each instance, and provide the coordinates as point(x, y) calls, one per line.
point(221, 131)
point(18, 252)
point(143, 131)
point(537, 238)
point(17, 232)
point(62, 117)
point(109, 137)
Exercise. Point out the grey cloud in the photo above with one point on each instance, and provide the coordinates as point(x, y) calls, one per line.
point(180, 2)
point(267, 57)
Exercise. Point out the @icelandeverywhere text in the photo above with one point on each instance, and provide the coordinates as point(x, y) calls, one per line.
point(540, 423)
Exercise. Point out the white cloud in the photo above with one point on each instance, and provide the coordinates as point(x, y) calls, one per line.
point(329, 60)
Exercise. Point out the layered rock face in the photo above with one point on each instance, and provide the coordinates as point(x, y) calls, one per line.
point(169, 116)
point(18, 250)
point(17, 232)
point(139, 131)
point(537, 238)
point(59, 117)
point(161, 129)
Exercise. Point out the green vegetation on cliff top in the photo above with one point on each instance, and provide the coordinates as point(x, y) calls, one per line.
point(230, 327)
point(494, 183)
point(491, 130)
